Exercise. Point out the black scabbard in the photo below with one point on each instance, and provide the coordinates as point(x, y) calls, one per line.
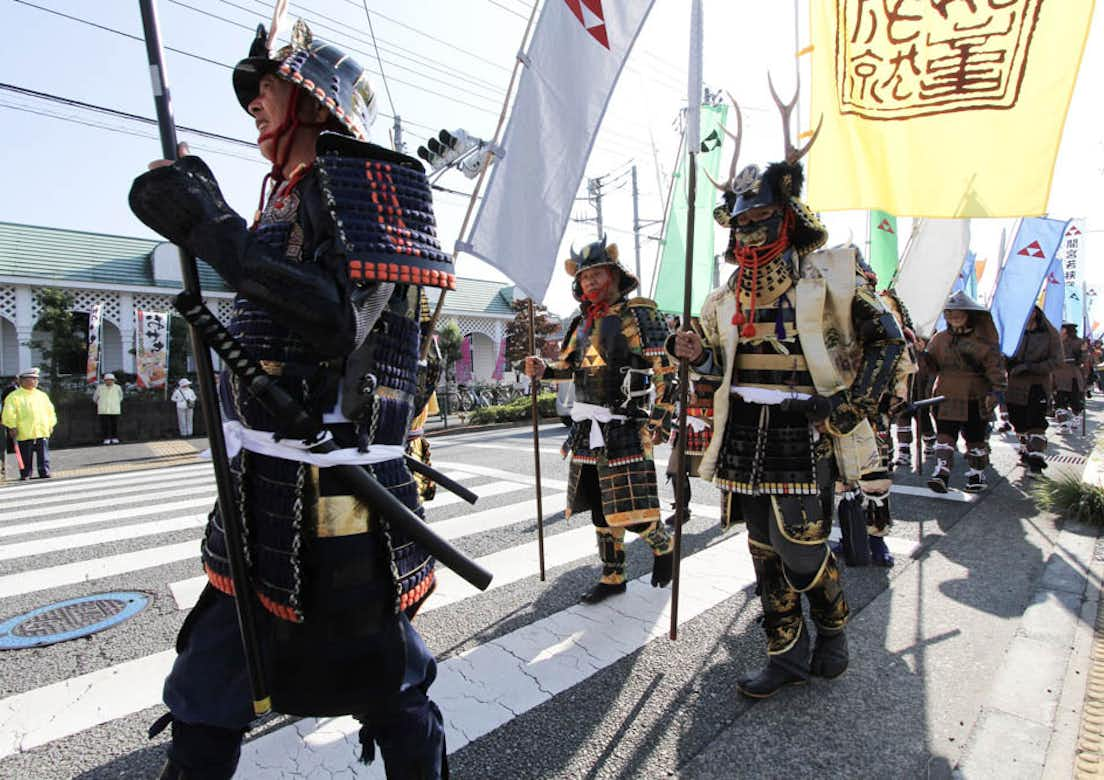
point(300, 426)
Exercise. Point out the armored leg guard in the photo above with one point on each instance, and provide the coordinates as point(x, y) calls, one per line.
point(852, 518)
point(944, 460)
point(929, 445)
point(977, 458)
point(662, 543)
point(611, 551)
point(1036, 453)
point(830, 612)
point(200, 752)
point(787, 637)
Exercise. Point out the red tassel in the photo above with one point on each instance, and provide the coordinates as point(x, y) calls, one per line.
point(748, 331)
point(738, 318)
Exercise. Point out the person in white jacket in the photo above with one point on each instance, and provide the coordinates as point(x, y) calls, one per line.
point(185, 398)
point(108, 398)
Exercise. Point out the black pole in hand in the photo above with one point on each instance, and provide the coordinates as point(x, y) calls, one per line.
point(208, 395)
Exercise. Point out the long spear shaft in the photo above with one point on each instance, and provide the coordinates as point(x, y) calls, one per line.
point(208, 395)
point(534, 391)
point(682, 480)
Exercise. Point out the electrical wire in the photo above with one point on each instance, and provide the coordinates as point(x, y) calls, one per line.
point(379, 60)
point(508, 10)
point(181, 52)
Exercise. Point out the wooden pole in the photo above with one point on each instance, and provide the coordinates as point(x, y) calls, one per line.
point(244, 601)
point(534, 391)
point(682, 478)
point(482, 173)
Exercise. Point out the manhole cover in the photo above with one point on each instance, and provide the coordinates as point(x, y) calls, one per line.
point(70, 619)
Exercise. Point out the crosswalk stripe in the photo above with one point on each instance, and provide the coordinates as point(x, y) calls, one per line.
point(202, 502)
point(37, 507)
point(487, 471)
point(61, 486)
point(951, 495)
point(70, 706)
point(102, 536)
point(201, 494)
point(444, 498)
point(34, 580)
point(491, 684)
point(62, 709)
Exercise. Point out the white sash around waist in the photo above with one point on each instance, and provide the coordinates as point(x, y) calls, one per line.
point(596, 414)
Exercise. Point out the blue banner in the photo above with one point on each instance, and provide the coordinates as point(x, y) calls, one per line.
point(1054, 293)
point(1029, 258)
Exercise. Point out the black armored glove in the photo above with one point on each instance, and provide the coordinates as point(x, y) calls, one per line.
point(174, 199)
point(816, 409)
point(836, 410)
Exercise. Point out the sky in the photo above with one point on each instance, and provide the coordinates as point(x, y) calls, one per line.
point(447, 64)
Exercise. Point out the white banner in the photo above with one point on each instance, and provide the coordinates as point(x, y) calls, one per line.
point(929, 268)
point(95, 320)
point(153, 349)
point(1072, 252)
point(573, 62)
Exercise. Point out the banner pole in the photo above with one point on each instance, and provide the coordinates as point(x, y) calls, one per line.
point(534, 392)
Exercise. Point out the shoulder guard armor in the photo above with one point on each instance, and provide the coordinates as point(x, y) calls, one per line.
point(651, 325)
point(382, 206)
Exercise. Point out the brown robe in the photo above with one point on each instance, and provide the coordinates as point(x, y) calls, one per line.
point(967, 368)
point(1068, 376)
point(1040, 352)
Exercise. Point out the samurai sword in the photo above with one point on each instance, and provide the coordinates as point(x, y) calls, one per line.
point(301, 426)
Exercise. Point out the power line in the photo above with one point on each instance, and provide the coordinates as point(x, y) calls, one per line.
point(507, 9)
point(379, 60)
point(234, 23)
point(182, 52)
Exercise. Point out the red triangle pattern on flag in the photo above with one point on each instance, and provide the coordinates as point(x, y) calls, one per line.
point(1073, 231)
point(1032, 250)
point(592, 17)
point(886, 226)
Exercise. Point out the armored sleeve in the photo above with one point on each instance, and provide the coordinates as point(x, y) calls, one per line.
point(653, 333)
point(711, 363)
point(183, 203)
point(882, 345)
point(993, 364)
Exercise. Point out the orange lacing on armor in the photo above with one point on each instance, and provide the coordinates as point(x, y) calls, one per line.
point(226, 585)
point(415, 594)
point(756, 257)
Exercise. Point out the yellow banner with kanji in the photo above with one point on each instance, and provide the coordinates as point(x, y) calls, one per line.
point(941, 108)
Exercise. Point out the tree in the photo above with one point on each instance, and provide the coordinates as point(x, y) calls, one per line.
point(68, 339)
point(449, 339)
point(517, 330)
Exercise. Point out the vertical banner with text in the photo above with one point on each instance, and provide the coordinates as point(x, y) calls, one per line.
point(95, 322)
point(153, 349)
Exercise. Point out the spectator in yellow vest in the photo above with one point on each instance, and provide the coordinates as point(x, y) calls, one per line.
point(30, 414)
point(109, 405)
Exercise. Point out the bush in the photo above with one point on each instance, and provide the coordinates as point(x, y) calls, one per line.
point(517, 410)
point(1072, 497)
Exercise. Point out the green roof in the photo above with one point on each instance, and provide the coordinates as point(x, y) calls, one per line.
point(476, 296)
point(79, 257)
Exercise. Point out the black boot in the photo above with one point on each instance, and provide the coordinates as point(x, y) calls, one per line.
point(830, 656)
point(601, 592)
point(852, 518)
point(788, 668)
point(662, 569)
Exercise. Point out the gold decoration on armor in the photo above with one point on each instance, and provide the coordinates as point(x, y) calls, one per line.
point(771, 283)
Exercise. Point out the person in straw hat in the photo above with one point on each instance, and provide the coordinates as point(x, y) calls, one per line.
point(109, 407)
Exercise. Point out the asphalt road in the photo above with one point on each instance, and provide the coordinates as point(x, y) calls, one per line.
point(531, 684)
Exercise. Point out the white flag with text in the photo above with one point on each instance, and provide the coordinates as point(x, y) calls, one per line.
point(574, 60)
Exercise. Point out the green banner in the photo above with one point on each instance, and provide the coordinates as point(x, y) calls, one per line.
point(883, 246)
point(672, 258)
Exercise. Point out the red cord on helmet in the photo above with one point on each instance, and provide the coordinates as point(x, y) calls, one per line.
point(284, 134)
point(755, 257)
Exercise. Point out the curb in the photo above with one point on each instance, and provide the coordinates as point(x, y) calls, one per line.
point(1089, 756)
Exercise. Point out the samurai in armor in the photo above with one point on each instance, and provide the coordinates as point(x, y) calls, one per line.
point(613, 352)
point(327, 280)
point(1030, 387)
point(803, 352)
point(966, 360)
point(1069, 380)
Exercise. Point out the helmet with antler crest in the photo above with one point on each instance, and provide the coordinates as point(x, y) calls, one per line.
point(328, 74)
point(758, 202)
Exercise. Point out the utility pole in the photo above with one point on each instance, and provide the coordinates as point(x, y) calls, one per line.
point(594, 188)
point(636, 220)
point(400, 147)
